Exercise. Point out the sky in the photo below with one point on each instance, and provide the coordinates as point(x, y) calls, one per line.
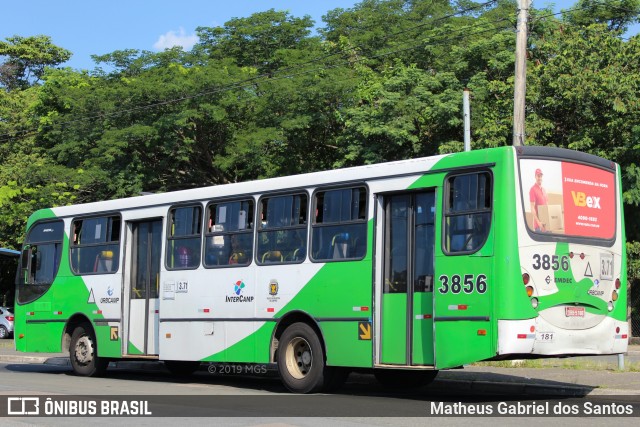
point(99, 27)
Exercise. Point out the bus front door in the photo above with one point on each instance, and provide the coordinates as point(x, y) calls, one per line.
point(408, 234)
point(144, 279)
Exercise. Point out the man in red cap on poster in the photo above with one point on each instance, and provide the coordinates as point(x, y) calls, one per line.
point(537, 197)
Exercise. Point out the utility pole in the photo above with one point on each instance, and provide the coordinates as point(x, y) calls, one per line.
point(520, 83)
point(467, 119)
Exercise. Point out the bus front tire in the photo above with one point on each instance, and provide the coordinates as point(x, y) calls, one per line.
point(83, 353)
point(301, 360)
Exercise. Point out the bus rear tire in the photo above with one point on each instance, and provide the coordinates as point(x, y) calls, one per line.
point(301, 361)
point(396, 378)
point(83, 353)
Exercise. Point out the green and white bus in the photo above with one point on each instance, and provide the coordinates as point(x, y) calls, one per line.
point(403, 268)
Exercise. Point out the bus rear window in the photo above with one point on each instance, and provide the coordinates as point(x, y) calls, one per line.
point(568, 199)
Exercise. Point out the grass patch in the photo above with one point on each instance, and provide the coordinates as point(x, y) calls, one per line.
point(568, 363)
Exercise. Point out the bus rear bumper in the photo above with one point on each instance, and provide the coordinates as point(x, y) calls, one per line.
point(538, 337)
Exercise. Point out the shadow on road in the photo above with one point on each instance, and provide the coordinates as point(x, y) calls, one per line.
point(452, 384)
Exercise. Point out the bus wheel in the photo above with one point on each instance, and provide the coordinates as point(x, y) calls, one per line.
point(395, 378)
point(301, 360)
point(83, 353)
point(181, 368)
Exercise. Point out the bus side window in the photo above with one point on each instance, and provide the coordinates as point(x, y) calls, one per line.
point(282, 236)
point(229, 237)
point(467, 215)
point(183, 238)
point(339, 224)
point(95, 248)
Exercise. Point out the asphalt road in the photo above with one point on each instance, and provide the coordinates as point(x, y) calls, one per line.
point(263, 401)
point(260, 400)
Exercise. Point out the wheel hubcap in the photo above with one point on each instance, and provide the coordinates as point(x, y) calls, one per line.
point(84, 350)
point(299, 358)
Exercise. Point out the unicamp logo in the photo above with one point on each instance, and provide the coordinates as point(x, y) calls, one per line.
point(238, 297)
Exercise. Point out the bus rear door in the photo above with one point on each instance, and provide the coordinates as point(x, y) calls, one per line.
point(406, 236)
point(142, 288)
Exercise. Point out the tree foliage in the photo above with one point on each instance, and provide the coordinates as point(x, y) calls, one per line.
point(26, 58)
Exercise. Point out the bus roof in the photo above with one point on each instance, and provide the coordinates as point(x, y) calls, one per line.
point(346, 176)
point(269, 185)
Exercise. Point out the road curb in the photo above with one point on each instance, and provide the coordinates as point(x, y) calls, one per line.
point(23, 359)
point(511, 388)
point(137, 365)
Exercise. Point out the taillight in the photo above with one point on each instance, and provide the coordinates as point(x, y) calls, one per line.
point(9, 318)
point(529, 291)
point(525, 278)
point(617, 283)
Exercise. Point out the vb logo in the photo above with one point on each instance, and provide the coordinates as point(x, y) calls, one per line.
point(582, 200)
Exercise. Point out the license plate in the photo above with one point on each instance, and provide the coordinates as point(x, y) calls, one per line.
point(544, 336)
point(574, 311)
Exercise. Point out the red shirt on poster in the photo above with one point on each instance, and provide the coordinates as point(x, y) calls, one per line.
point(537, 196)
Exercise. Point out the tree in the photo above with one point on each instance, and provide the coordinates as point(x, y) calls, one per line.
point(256, 41)
point(26, 59)
point(616, 14)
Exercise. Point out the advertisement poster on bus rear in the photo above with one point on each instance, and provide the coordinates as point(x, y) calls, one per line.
point(568, 198)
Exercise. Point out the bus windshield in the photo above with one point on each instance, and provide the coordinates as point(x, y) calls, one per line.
point(569, 199)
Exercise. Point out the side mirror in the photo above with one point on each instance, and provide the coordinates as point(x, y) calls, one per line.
point(24, 262)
